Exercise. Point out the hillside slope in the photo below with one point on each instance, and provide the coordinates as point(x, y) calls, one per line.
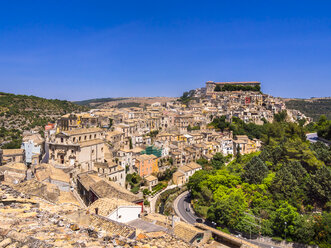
point(22, 112)
point(314, 107)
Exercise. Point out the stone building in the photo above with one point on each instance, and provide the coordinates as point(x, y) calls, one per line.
point(12, 155)
point(91, 187)
point(78, 147)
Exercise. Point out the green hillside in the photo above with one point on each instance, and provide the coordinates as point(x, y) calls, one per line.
point(313, 108)
point(22, 112)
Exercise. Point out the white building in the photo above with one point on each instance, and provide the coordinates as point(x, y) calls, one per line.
point(32, 152)
point(116, 209)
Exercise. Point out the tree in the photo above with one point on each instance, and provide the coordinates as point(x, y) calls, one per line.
point(194, 181)
point(285, 214)
point(255, 171)
point(320, 186)
point(322, 152)
point(110, 123)
point(324, 128)
point(130, 143)
point(218, 161)
point(218, 88)
point(290, 183)
point(281, 116)
point(304, 229)
point(229, 209)
point(323, 229)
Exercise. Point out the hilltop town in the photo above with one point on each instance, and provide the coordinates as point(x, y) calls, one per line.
point(93, 178)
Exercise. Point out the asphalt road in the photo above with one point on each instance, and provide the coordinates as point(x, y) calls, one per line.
point(183, 204)
point(312, 137)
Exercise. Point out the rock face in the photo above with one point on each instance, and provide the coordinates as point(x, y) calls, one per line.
point(29, 221)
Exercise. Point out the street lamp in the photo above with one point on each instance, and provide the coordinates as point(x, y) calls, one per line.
point(285, 230)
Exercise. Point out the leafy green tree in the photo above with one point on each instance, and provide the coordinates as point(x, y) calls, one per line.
point(281, 116)
point(323, 229)
point(304, 229)
point(285, 214)
point(322, 152)
point(229, 209)
point(296, 149)
point(194, 184)
point(255, 171)
point(217, 88)
point(324, 128)
point(320, 186)
point(290, 183)
point(218, 161)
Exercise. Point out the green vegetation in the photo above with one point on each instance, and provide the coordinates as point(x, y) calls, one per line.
point(288, 181)
point(22, 112)
point(324, 128)
point(231, 87)
point(153, 133)
point(13, 135)
point(135, 182)
point(167, 174)
point(239, 127)
point(186, 97)
point(189, 128)
point(313, 108)
point(164, 203)
point(160, 186)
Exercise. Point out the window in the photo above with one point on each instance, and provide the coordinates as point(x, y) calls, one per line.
point(90, 136)
point(72, 151)
point(95, 136)
point(80, 138)
point(85, 137)
point(61, 140)
point(74, 139)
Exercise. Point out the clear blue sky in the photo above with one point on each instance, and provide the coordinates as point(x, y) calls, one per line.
point(86, 49)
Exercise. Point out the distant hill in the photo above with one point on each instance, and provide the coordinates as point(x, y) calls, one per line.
point(313, 107)
point(97, 101)
point(123, 102)
point(22, 112)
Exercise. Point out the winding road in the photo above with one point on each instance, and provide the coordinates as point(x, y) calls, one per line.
point(181, 205)
point(183, 202)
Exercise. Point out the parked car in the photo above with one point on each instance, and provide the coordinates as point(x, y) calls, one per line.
point(199, 220)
